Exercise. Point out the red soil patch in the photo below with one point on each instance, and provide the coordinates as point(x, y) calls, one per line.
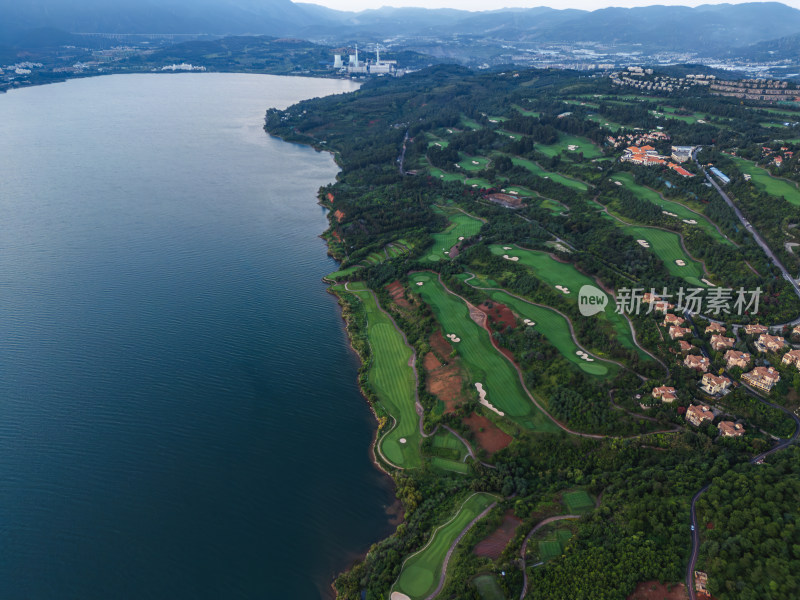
point(397, 293)
point(499, 314)
point(339, 215)
point(445, 383)
point(430, 362)
point(653, 590)
point(440, 346)
point(336, 236)
point(330, 197)
point(494, 544)
point(491, 438)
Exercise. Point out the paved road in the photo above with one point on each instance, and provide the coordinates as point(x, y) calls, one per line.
point(749, 227)
point(693, 512)
point(525, 547)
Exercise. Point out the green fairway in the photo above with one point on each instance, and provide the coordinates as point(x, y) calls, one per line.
point(615, 127)
point(527, 113)
point(484, 363)
point(473, 163)
point(450, 465)
point(488, 587)
point(570, 144)
point(555, 328)
point(472, 124)
point(554, 544)
point(766, 182)
point(392, 379)
point(421, 571)
point(540, 172)
point(553, 273)
point(578, 502)
point(448, 446)
point(343, 274)
point(667, 246)
point(510, 134)
point(650, 195)
point(461, 225)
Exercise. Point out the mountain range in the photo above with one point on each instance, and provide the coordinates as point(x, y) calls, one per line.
point(708, 28)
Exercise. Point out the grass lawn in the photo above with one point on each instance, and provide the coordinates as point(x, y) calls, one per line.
point(554, 544)
point(392, 380)
point(461, 225)
point(578, 502)
point(615, 127)
point(488, 587)
point(450, 465)
point(766, 182)
point(467, 122)
point(473, 163)
point(527, 113)
point(540, 172)
point(446, 445)
point(556, 273)
point(343, 274)
point(650, 195)
point(555, 328)
point(421, 571)
point(483, 362)
point(584, 145)
point(510, 134)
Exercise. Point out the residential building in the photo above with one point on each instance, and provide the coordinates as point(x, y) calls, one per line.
point(755, 329)
point(770, 343)
point(796, 330)
point(682, 153)
point(699, 363)
point(715, 328)
point(698, 414)
point(670, 319)
point(720, 342)
point(730, 429)
point(792, 357)
point(678, 332)
point(762, 378)
point(735, 358)
point(715, 384)
point(685, 346)
point(666, 393)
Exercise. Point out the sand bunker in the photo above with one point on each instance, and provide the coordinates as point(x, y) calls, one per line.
point(453, 337)
point(475, 162)
point(513, 192)
point(461, 238)
point(485, 402)
point(511, 136)
point(449, 131)
point(617, 183)
point(437, 144)
point(529, 323)
point(584, 356)
point(402, 440)
point(474, 185)
point(572, 147)
point(399, 595)
point(671, 214)
point(707, 282)
point(643, 243)
point(511, 258)
point(563, 289)
point(690, 221)
point(492, 120)
point(506, 247)
point(420, 282)
point(680, 263)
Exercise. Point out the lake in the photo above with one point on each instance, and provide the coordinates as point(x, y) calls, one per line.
point(179, 410)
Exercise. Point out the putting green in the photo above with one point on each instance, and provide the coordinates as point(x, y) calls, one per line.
point(392, 379)
point(421, 571)
point(767, 183)
point(667, 246)
point(540, 172)
point(461, 225)
point(580, 144)
point(554, 273)
point(473, 163)
point(578, 502)
point(485, 364)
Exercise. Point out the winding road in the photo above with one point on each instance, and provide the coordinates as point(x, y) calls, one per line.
point(524, 549)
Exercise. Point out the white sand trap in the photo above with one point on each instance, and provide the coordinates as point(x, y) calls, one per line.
point(707, 282)
point(461, 238)
point(511, 136)
point(451, 335)
point(456, 340)
point(617, 183)
point(474, 185)
point(643, 243)
point(572, 147)
point(514, 192)
point(511, 258)
point(562, 289)
point(506, 247)
point(437, 144)
point(671, 214)
point(420, 282)
point(402, 440)
point(441, 176)
point(492, 120)
point(690, 221)
point(398, 596)
point(680, 263)
point(475, 162)
point(447, 251)
point(449, 131)
point(485, 402)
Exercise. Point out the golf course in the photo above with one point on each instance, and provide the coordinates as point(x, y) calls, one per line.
point(486, 366)
point(540, 172)
point(421, 571)
point(392, 379)
point(773, 186)
point(461, 226)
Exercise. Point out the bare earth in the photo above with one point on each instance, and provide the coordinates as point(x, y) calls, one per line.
point(494, 544)
point(653, 590)
point(491, 438)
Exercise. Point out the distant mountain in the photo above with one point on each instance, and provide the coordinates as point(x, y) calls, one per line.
point(785, 48)
point(708, 28)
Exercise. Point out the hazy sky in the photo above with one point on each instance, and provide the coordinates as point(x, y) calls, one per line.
point(483, 5)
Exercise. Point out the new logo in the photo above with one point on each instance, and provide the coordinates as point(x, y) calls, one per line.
point(591, 300)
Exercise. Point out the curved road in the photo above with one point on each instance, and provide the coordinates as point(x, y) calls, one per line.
point(783, 444)
point(525, 547)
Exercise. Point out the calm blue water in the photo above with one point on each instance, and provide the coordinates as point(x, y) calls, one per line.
point(179, 416)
